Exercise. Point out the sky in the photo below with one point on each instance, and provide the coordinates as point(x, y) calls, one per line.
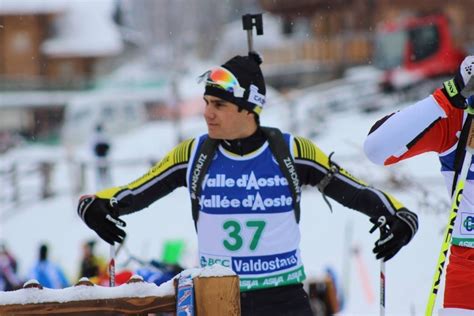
point(328, 239)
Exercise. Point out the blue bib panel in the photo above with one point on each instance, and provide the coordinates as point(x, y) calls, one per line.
point(246, 219)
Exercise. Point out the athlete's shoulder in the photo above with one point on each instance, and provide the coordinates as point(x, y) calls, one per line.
point(182, 151)
point(173, 160)
point(304, 148)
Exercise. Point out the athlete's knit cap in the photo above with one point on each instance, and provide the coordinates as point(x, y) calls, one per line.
point(247, 71)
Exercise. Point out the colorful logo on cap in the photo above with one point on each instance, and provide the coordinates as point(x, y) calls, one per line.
point(256, 98)
point(223, 79)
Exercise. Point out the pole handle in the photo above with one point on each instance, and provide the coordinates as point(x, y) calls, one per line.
point(248, 23)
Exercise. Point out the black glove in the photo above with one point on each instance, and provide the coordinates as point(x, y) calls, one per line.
point(395, 232)
point(462, 85)
point(99, 215)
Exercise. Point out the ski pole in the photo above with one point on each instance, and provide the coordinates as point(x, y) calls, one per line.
point(456, 201)
point(248, 22)
point(381, 221)
point(112, 266)
point(113, 202)
point(382, 287)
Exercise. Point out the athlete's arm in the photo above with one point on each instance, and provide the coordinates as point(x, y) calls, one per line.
point(397, 224)
point(428, 125)
point(161, 179)
point(313, 165)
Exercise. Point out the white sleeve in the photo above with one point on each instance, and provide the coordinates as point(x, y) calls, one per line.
point(392, 137)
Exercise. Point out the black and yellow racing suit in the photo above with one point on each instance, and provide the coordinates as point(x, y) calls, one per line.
point(312, 165)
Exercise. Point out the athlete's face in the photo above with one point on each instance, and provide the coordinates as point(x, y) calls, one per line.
point(224, 121)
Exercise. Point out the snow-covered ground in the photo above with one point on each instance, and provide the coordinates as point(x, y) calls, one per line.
point(327, 238)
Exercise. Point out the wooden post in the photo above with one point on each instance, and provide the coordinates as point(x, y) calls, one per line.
point(46, 170)
point(80, 186)
point(217, 296)
point(14, 184)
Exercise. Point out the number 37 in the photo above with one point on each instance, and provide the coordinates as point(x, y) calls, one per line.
point(234, 241)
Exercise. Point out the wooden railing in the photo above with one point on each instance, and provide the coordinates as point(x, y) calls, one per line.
point(213, 295)
point(28, 181)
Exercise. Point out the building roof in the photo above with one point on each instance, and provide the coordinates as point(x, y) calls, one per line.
point(82, 27)
point(85, 29)
point(29, 7)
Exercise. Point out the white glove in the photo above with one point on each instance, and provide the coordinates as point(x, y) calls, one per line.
point(467, 74)
point(462, 85)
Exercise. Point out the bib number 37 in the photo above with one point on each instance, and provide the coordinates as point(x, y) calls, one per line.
point(234, 240)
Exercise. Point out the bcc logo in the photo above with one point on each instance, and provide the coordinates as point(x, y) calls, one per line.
point(469, 223)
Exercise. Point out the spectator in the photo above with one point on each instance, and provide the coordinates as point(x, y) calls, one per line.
point(92, 266)
point(47, 273)
point(9, 279)
point(101, 148)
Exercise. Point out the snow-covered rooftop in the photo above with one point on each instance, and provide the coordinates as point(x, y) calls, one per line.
point(25, 7)
point(85, 29)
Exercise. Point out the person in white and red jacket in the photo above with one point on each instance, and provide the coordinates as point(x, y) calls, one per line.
point(434, 124)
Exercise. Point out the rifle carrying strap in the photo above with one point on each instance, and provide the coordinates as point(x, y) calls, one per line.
point(280, 150)
point(198, 172)
point(333, 170)
point(282, 153)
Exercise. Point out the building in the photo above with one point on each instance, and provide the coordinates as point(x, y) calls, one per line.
point(341, 33)
point(49, 50)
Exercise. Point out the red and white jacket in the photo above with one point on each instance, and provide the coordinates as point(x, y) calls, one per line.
point(430, 125)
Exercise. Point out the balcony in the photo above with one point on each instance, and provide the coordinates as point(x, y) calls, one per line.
point(301, 7)
point(43, 83)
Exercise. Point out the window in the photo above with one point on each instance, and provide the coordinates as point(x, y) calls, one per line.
point(424, 41)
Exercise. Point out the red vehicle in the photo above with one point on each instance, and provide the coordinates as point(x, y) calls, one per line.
point(416, 49)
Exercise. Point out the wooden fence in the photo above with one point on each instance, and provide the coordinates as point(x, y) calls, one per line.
point(213, 295)
point(28, 181)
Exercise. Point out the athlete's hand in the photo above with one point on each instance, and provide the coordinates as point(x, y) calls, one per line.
point(462, 85)
point(99, 215)
point(395, 232)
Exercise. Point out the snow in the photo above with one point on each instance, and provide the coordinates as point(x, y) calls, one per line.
point(213, 271)
point(84, 292)
point(328, 239)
